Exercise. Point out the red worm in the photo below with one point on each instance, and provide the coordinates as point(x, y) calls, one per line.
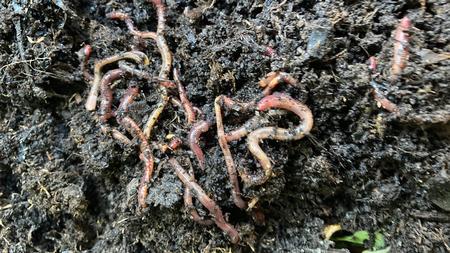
point(190, 113)
point(187, 197)
point(106, 93)
point(206, 201)
point(269, 52)
point(120, 137)
point(127, 99)
point(158, 37)
point(373, 64)
point(144, 75)
point(236, 105)
point(175, 143)
point(231, 168)
point(84, 55)
point(117, 15)
point(272, 80)
point(383, 102)
point(249, 126)
point(160, 9)
point(146, 156)
point(137, 56)
point(401, 50)
point(281, 101)
point(244, 130)
point(194, 136)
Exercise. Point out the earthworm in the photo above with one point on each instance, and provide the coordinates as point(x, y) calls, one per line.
point(236, 105)
point(401, 50)
point(282, 101)
point(231, 169)
point(271, 81)
point(206, 201)
point(198, 112)
point(244, 130)
point(249, 126)
point(84, 55)
point(175, 143)
point(120, 137)
point(154, 116)
point(158, 37)
point(116, 134)
point(373, 64)
point(189, 110)
point(117, 15)
point(176, 102)
point(160, 9)
point(194, 136)
point(106, 94)
point(128, 98)
point(146, 156)
point(187, 197)
point(269, 51)
point(144, 75)
point(136, 56)
point(166, 56)
point(382, 101)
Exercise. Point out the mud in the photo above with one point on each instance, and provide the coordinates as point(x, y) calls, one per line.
point(65, 186)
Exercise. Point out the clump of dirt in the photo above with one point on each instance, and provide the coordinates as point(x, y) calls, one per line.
point(64, 185)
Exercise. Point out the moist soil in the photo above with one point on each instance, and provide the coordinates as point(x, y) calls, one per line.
point(67, 187)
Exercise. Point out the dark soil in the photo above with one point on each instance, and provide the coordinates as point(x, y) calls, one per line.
point(65, 186)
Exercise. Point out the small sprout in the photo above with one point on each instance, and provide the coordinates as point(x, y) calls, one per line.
point(360, 241)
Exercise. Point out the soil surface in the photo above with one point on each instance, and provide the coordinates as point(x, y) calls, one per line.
point(67, 187)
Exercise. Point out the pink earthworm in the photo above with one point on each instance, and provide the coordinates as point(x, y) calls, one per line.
point(206, 201)
point(194, 136)
point(401, 48)
point(280, 101)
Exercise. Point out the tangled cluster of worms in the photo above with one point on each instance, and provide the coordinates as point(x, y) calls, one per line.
point(399, 60)
point(172, 91)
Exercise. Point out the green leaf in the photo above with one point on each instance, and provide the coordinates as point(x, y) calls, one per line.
point(379, 241)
